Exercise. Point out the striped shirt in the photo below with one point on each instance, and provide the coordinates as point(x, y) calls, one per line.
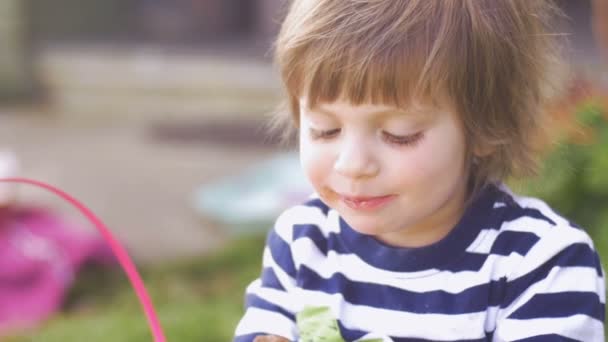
point(511, 270)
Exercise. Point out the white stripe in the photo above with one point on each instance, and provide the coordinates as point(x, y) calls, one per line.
point(528, 224)
point(561, 279)
point(578, 327)
point(486, 237)
point(280, 298)
point(374, 337)
point(484, 241)
point(299, 214)
point(283, 227)
point(578, 279)
point(307, 215)
point(535, 203)
point(350, 265)
point(550, 245)
point(262, 321)
point(491, 315)
point(355, 269)
point(436, 327)
point(333, 222)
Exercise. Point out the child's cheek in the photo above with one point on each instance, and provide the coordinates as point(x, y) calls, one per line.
point(441, 151)
point(316, 164)
point(306, 156)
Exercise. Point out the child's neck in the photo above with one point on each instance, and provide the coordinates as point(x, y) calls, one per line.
point(431, 229)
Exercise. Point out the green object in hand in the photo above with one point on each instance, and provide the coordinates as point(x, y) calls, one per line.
point(316, 324)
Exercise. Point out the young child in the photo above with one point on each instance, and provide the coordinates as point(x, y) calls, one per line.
point(410, 115)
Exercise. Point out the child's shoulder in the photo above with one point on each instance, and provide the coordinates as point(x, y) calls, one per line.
point(533, 215)
point(530, 228)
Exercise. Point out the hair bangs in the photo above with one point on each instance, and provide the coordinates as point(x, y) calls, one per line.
point(398, 69)
point(385, 77)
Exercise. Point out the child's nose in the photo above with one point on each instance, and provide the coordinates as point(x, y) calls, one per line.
point(355, 160)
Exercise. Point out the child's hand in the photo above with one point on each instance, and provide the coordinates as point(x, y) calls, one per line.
point(270, 338)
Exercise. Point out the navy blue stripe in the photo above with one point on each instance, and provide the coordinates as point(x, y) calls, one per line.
point(579, 254)
point(498, 291)
point(269, 279)
point(598, 264)
point(508, 242)
point(350, 334)
point(317, 203)
point(254, 301)
point(547, 338)
point(281, 252)
point(563, 304)
point(312, 232)
point(474, 299)
point(464, 262)
point(513, 212)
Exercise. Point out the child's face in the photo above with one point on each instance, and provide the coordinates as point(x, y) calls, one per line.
point(399, 176)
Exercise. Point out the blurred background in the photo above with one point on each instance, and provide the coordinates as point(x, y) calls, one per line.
point(152, 113)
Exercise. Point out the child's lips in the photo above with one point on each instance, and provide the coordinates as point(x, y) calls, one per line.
point(366, 203)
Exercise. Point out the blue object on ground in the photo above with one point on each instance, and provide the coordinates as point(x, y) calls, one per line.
point(250, 202)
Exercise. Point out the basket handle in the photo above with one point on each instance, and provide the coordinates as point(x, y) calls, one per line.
point(123, 257)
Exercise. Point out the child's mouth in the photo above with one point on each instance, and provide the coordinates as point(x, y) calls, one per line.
point(366, 203)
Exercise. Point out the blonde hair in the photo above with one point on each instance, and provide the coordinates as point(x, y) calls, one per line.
point(493, 61)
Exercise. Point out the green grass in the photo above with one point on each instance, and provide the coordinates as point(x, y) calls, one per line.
point(200, 300)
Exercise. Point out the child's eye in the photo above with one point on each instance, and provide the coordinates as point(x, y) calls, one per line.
point(409, 140)
point(324, 134)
